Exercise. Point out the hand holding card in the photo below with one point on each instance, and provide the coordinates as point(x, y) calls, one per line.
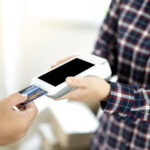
point(33, 92)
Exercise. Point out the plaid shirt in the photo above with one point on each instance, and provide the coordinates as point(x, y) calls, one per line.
point(124, 39)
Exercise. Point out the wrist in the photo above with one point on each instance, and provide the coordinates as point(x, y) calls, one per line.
point(107, 91)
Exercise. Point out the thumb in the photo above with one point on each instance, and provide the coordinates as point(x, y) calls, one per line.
point(16, 99)
point(76, 81)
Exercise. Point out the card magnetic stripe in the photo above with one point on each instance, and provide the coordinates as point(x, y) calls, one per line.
point(30, 90)
point(33, 92)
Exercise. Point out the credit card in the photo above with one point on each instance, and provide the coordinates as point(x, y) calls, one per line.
point(33, 92)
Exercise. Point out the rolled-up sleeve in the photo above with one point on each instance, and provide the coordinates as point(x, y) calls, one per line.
point(129, 103)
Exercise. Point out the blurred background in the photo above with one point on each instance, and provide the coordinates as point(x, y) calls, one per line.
point(36, 33)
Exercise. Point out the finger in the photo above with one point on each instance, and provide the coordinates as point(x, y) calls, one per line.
point(77, 81)
point(31, 110)
point(58, 63)
point(21, 108)
point(16, 99)
point(62, 61)
point(28, 114)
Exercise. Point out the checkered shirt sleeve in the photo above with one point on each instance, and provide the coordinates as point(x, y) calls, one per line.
point(129, 103)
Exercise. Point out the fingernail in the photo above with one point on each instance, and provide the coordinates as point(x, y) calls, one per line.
point(24, 95)
point(69, 81)
point(52, 66)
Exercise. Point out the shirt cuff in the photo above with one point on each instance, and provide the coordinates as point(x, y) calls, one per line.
point(120, 100)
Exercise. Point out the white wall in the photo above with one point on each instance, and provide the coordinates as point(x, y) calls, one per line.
point(12, 22)
point(45, 42)
point(1, 55)
point(41, 43)
point(32, 44)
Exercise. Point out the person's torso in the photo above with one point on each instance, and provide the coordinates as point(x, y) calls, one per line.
point(133, 67)
point(134, 42)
